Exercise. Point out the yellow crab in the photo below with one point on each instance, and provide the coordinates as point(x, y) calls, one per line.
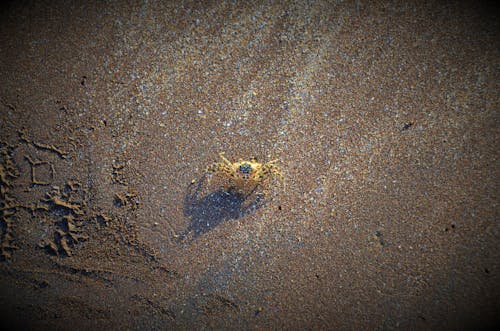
point(246, 173)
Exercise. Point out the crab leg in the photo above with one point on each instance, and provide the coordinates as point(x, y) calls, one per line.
point(226, 161)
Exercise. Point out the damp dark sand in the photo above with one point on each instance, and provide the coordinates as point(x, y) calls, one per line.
point(385, 120)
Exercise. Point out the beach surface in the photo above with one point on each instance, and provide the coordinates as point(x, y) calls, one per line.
point(383, 117)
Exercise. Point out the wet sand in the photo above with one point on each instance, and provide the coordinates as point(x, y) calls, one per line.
point(384, 118)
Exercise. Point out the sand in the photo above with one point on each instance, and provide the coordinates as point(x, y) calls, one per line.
point(384, 119)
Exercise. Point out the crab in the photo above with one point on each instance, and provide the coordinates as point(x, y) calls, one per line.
point(246, 173)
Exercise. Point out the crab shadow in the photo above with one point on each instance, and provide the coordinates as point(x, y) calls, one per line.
point(205, 212)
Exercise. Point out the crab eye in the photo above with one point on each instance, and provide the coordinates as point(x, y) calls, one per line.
point(245, 168)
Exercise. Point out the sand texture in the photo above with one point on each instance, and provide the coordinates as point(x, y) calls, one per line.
point(383, 117)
